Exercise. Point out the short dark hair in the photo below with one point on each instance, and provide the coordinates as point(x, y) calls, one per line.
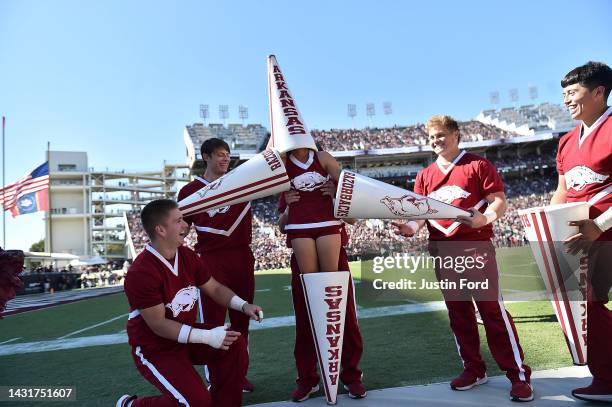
point(590, 75)
point(212, 144)
point(154, 213)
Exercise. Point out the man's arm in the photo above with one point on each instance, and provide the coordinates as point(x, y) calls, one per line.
point(330, 164)
point(560, 195)
point(408, 229)
point(282, 221)
point(155, 318)
point(497, 208)
point(222, 295)
point(290, 197)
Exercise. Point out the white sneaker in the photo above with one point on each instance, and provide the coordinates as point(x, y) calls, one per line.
point(125, 401)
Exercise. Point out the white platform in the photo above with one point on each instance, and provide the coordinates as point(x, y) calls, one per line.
point(552, 388)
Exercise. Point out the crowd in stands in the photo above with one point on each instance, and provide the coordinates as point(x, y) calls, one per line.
point(396, 137)
point(532, 161)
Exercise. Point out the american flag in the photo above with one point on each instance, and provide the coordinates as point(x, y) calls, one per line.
point(29, 194)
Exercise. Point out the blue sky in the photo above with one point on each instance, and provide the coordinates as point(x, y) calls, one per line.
point(120, 79)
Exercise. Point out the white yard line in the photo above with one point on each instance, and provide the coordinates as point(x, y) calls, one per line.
point(269, 323)
point(520, 275)
point(93, 326)
point(10, 340)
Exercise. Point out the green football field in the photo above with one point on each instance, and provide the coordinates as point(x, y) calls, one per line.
point(413, 348)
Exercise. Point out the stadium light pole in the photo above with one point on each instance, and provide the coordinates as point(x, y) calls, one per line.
point(204, 113)
point(387, 108)
point(243, 113)
point(351, 111)
point(494, 98)
point(3, 185)
point(533, 92)
point(224, 113)
point(49, 203)
point(514, 96)
point(370, 112)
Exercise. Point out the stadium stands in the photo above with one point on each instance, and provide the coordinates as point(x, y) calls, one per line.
point(396, 137)
point(247, 138)
point(529, 119)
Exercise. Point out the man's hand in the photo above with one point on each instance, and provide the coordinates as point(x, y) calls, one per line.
point(230, 338)
point(253, 311)
point(588, 232)
point(404, 229)
point(292, 196)
point(329, 188)
point(476, 221)
point(218, 338)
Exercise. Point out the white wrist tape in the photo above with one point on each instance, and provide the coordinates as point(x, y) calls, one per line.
point(491, 215)
point(183, 335)
point(604, 221)
point(236, 303)
point(213, 337)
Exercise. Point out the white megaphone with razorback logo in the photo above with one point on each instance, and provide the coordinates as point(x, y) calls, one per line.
point(565, 275)
point(262, 175)
point(362, 197)
point(326, 295)
point(288, 130)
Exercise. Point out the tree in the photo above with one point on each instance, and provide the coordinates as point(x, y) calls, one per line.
point(38, 246)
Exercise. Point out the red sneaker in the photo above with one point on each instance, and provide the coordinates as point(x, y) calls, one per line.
point(521, 391)
point(597, 391)
point(356, 390)
point(466, 380)
point(248, 387)
point(303, 392)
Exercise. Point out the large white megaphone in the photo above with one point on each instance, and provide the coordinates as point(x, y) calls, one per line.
point(564, 274)
point(288, 128)
point(326, 296)
point(262, 175)
point(362, 197)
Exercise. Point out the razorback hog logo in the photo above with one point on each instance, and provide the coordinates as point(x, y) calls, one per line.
point(580, 176)
point(309, 181)
point(407, 206)
point(213, 212)
point(333, 332)
point(212, 186)
point(449, 193)
point(183, 301)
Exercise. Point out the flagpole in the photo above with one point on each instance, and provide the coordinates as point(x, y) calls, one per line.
point(3, 184)
point(49, 201)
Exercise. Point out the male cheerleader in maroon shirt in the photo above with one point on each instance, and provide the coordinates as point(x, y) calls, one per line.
point(162, 289)
point(470, 182)
point(224, 242)
point(584, 164)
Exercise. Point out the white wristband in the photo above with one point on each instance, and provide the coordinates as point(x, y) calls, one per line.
point(491, 215)
point(236, 303)
point(604, 221)
point(213, 337)
point(183, 335)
